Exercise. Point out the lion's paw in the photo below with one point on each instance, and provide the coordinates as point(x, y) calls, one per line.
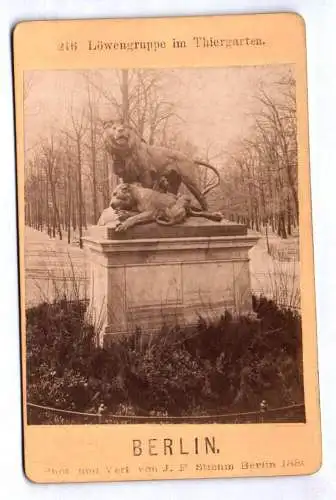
point(122, 227)
point(218, 216)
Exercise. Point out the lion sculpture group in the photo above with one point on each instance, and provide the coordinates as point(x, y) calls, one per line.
point(152, 176)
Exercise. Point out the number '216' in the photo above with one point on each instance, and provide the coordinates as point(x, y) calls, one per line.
point(68, 45)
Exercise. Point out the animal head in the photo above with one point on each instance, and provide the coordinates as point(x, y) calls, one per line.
point(122, 198)
point(118, 136)
point(162, 185)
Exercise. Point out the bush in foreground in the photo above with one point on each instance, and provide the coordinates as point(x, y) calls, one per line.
point(227, 365)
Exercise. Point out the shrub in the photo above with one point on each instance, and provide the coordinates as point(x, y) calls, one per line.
point(229, 364)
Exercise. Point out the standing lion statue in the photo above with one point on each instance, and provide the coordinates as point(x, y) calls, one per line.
point(136, 161)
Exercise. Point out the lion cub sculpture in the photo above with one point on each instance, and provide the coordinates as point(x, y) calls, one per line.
point(136, 161)
point(153, 206)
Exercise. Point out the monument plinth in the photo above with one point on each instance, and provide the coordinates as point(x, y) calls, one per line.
point(155, 275)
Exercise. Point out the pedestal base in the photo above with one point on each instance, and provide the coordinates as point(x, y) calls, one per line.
point(140, 280)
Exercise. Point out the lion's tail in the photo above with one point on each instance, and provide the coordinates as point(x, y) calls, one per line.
point(213, 185)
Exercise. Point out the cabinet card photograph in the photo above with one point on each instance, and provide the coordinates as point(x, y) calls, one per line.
point(166, 258)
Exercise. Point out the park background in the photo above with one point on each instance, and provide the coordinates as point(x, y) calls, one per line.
point(241, 120)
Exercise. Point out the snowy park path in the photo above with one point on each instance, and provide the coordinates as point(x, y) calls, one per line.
point(52, 268)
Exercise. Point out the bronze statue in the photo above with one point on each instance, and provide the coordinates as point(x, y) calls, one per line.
point(136, 161)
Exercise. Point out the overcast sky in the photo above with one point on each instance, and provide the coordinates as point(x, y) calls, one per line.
point(216, 104)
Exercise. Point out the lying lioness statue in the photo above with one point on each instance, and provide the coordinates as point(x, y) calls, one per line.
point(136, 161)
point(154, 206)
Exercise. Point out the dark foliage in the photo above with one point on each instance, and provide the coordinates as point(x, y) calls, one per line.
point(228, 365)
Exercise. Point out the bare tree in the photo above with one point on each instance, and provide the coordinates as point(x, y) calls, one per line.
point(263, 166)
point(76, 134)
point(50, 162)
point(93, 127)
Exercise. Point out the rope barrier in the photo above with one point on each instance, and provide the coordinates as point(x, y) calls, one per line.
point(59, 410)
point(152, 417)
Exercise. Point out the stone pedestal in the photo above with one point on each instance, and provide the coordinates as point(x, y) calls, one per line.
point(154, 275)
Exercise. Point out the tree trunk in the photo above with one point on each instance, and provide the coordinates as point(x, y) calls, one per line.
point(124, 95)
point(106, 184)
point(267, 241)
point(282, 226)
point(57, 222)
point(93, 154)
point(80, 194)
point(73, 212)
point(289, 217)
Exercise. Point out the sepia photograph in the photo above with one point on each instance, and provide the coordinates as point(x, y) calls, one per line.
point(161, 246)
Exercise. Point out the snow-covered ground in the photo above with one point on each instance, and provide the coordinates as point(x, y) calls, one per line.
point(53, 266)
point(276, 276)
